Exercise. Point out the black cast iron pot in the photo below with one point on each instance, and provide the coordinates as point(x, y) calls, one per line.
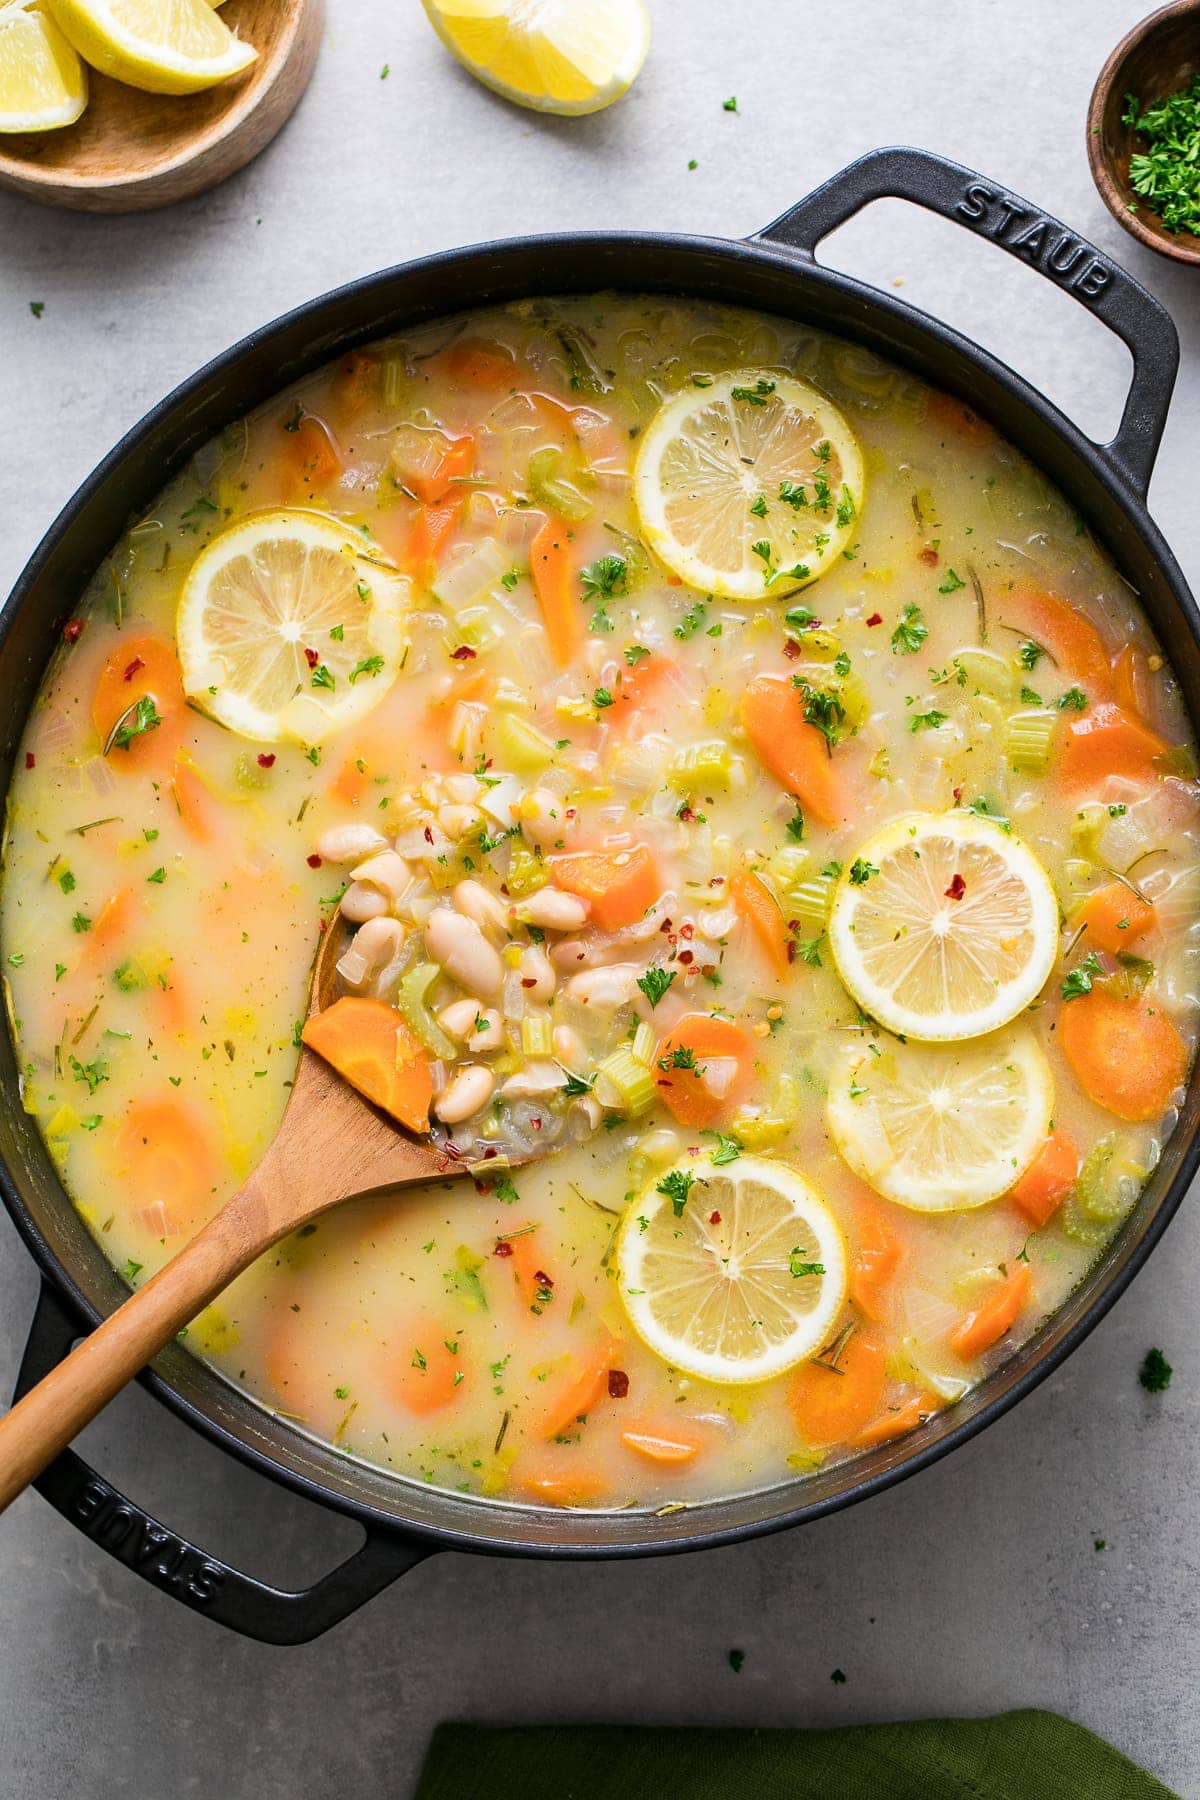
point(405, 1520)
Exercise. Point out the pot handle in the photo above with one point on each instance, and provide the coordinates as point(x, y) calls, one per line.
point(1024, 231)
point(182, 1570)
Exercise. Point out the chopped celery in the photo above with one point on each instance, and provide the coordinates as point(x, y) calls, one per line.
point(522, 746)
point(760, 1127)
point(1096, 1202)
point(476, 626)
point(644, 1043)
point(412, 999)
point(548, 487)
point(809, 901)
point(988, 671)
point(525, 872)
point(706, 765)
point(1030, 739)
point(537, 1034)
point(623, 1083)
point(786, 867)
point(248, 772)
point(395, 376)
point(1086, 828)
point(822, 646)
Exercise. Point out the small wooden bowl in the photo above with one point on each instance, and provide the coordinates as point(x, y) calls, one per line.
point(1158, 57)
point(131, 151)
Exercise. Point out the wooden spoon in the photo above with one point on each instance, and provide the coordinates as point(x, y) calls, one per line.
point(331, 1145)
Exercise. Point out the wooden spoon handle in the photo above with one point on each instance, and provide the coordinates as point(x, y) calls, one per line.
point(49, 1416)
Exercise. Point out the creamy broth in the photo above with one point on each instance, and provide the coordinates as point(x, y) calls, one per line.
point(162, 898)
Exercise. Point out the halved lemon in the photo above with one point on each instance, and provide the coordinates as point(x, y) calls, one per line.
point(287, 629)
point(732, 1273)
point(556, 56)
point(43, 84)
point(945, 926)
point(941, 1127)
point(162, 46)
point(748, 485)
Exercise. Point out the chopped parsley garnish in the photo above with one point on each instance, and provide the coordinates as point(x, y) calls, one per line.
point(634, 654)
point(337, 633)
point(80, 922)
point(675, 1186)
point(158, 877)
point(728, 1148)
point(911, 632)
point(952, 583)
point(575, 1085)
point(509, 580)
point(601, 698)
point(1164, 172)
point(605, 578)
point(822, 708)
point(92, 1073)
point(1030, 654)
point(66, 882)
point(760, 392)
point(505, 1190)
point(795, 826)
point(135, 721)
point(692, 619)
point(1074, 700)
point(798, 1267)
point(810, 951)
point(792, 493)
point(861, 872)
point(927, 721)
point(1029, 698)
point(322, 677)
point(759, 507)
point(729, 105)
point(1155, 1372)
point(1080, 979)
point(655, 982)
point(370, 665)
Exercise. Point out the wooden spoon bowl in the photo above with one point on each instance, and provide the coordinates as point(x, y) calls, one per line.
point(131, 151)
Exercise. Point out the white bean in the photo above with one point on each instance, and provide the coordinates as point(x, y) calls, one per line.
point(538, 980)
point(360, 903)
point(553, 910)
point(456, 821)
point(461, 788)
point(570, 954)
point(467, 1090)
point(387, 872)
point(476, 902)
point(463, 951)
point(604, 988)
point(570, 1049)
point(543, 817)
point(660, 1147)
point(479, 1026)
point(349, 843)
point(375, 945)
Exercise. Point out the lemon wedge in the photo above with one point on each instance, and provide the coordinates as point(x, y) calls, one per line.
point(163, 46)
point(945, 926)
point(732, 1274)
point(942, 1127)
point(43, 84)
point(288, 629)
point(556, 56)
point(749, 485)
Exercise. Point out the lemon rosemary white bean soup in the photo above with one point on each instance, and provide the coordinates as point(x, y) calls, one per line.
point(764, 834)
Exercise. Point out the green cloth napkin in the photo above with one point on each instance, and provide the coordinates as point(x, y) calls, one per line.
point(1017, 1756)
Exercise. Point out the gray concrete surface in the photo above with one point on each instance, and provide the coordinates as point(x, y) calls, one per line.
point(976, 1586)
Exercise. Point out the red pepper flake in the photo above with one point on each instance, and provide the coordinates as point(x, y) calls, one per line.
point(714, 1218)
point(957, 796)
point(570, 812)
point(313, 861)
point(957, 888)
point(687, 930)
point(618, 1384)
point(686, 814)
point(311, 657)
point(427, 834)
point(266, 759)
point(686, 956)
point(542, 1279)
point(139, 662)
point(665, 925)
point(488, 1153)
point(875, 619)
point(791, 649)
point(464, 653)
point(535, 1124)
point(30, 760)
point(791, 950)
point(928, 556)
point(503, 1248)
point(529, 981)
point(72, 631)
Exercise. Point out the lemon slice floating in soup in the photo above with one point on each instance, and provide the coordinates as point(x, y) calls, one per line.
point(43, 84)
point(734, 1273)
point(162, 46)
point(944, 926)
point(942, 1127)
point(556, 56)
point(287, 630)
point(750, 485)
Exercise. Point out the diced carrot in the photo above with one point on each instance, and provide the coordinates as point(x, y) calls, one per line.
point(480, 363)
point(527, 1263)
point(372, 1048)
point(1131, 681)
point(353, 780)
point(760, 912)
point(671, 1443)
point(876, 1261)
point(696, 1049)
point(163, 1153)
point(457, 462)
point(475, 684)
point(1047, 1181)
point(425, 1366)
point(192, 798)
point(1068, 634)
point(1115, 917)
point(110, 925)
point(587, 1382)
point(949, 412)
point(788, 747)
point(557, 1480)
point(896, 1421)
point(987, 1323)
point(431, 531)
point(1107, 741)
point(140, 667)
point(356, 383)
point(1125, 1053)
point(314, 460)
point(552, 568)
point(645, 685)
point(831, 1406)
point(619, 885)
point(173, 1002)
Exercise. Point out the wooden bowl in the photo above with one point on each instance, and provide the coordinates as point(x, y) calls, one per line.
point(1158, 57)
point(131, 151)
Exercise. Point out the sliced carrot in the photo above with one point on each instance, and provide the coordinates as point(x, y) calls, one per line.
point(475, 684)
point(431, 531)
point(372, 1048)
point(1131, 681)
point(139, 668)
point(528, 1265)
point(645, 685)
point(558, 1480)
point(1068, 634)
point(831, 1406)
point(353, 780)
point(1047, 1181)
point(481, 363)
point(163, 1153)
point(1115, 917)
point(111, 925)
point(192, 798)
point(173, 1002)
point(1125, 1053)
point(552, 567)
point(896, 1421)
point(619, 885)
point(586, 1384)
point(314, 460)
point(698, 1049)
point(760, 912)
point(357, 383)
point(995, 1315)
point(876, 1261)
point(457, 462)
point(425, 1367)
point(951, 413)
point(788, 747)
point(1107, 741)
point(669, 1444)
